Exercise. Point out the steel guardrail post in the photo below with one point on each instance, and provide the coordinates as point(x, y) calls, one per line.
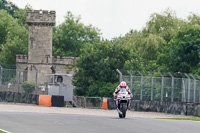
point(172, 87)
point(1, 75)
point(152, 85)
point(194, 87)
point(199, 88)
point(121, 76)
point(183, 88)
point(141, 85)
point(188, 98)
point(36, 75)
point(162, 87)
point(131, 80)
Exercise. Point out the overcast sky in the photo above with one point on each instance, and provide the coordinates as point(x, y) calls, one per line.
point(113, 17)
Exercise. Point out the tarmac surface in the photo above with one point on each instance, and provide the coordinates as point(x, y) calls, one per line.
point(66, 123)
point(35, 119)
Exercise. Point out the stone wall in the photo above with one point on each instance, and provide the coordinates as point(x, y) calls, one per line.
point(40, 44)
point(42, 75)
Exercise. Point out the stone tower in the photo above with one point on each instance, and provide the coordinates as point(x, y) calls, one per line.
point(40, 63)
point(40, 43)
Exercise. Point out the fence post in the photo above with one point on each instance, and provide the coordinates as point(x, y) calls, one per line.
point(188, 98)
point(121, 76)
point(162, 87)
point(152, 77)
point(18, 81)
point(141, 84)
point(1, 75)
point(85, 106)
point(172, 85)
point(194, 93)
point(183, 99)
point(53, 79)
point(131, 80)
point(36, 74)
point(199, 88)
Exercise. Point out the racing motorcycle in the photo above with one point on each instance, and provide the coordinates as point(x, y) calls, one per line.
point(123, 100)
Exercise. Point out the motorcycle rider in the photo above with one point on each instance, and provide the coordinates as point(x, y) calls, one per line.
point(119, 87)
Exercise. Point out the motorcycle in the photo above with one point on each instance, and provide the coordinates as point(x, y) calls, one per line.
point(123, 100)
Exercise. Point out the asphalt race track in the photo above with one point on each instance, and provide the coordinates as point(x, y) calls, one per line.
point(66, 123)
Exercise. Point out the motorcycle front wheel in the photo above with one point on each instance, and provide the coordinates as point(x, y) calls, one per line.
point(120, 115)
point(123, 110)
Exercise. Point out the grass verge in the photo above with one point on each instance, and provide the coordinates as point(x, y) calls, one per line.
point(2, 131)
point(191, 119)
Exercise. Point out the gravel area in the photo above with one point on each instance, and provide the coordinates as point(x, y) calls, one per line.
point(16, 107)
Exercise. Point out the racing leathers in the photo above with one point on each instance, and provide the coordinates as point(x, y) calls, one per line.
point(117, 91)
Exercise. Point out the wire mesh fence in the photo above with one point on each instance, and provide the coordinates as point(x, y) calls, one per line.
point(163, 88)
point(12, 79)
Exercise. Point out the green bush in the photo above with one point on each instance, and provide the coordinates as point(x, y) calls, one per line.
point(28, 86)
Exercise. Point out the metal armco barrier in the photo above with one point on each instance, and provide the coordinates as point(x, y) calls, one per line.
point(80, 101)
point(88, 102)
point(15, 97)
point(93, 102)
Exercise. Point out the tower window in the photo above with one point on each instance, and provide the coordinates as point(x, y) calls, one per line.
point(47, 58)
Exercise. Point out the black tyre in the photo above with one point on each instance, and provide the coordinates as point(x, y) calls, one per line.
point(120, 115)
point(124, 114)
point(123, 110)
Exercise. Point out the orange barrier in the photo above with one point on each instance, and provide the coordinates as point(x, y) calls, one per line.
point(45, 100)
point(104, 103)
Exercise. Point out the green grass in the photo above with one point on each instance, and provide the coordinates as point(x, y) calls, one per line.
point(191, 119)
point(2, 131)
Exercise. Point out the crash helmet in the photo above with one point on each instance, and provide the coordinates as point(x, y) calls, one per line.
point(123, 84)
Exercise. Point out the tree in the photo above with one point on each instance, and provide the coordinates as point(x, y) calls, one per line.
point(146, 46)
point(70, 36)
point(194, 20)
point(164, 25)
point(28, 86)
point(8, 6)
point(183, 53)
point(13, 40)
point(152, 42)
point(96, 68)
point(20, 15)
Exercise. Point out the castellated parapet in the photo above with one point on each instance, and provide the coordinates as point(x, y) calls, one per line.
point(56, 60)
point(41, 17)
point(64, 60)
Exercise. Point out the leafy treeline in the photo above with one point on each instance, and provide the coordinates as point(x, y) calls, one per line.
point(72, 35)
point(13, 33)
point(166, 43)
point(8, 6)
